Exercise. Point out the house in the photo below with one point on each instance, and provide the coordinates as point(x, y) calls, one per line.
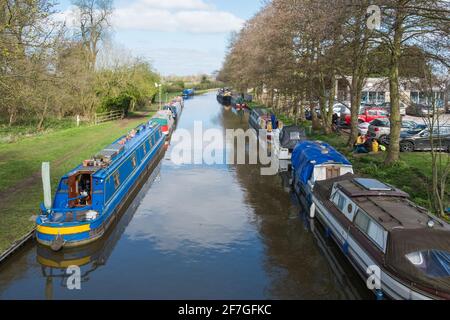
point(376, 91)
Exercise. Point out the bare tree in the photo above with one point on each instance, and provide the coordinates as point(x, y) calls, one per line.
point(418, 22)
point(93, 19)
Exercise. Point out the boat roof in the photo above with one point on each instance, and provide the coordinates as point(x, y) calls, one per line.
point(389, 206)
point(116, 151)
point(290, 136)
point(308, 154)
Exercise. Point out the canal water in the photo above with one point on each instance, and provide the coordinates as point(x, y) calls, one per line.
point(197, 232)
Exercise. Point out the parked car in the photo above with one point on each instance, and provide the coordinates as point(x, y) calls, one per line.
point(387, 107)
point(368, 115)
point(415, 141)
point(380, 129)
point(363, 128)
point(341, 109)
point(423, 110)
point(338, 108)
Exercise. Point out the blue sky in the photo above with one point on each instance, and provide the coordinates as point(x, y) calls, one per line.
point(180, 37)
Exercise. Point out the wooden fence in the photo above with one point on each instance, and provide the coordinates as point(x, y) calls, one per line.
point(109, 116)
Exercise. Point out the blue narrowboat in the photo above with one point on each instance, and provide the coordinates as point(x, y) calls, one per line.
point(187, 93)
point(89, 198)
point(314, 161)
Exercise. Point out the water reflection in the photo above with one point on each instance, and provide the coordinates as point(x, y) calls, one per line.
point(91, 257)
point(197, 232)
point(210, 219)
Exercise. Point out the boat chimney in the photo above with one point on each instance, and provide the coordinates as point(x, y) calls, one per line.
point(46, 185)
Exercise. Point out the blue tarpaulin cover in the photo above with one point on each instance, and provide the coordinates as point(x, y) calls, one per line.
point(307, 154)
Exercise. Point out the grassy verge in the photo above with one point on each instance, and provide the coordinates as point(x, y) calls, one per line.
point(27, 129)
point(20, 162)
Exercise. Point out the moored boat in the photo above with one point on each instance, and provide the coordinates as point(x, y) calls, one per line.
point(188, 93)
point(285, 141)
point(314, 161)
point(379, 229)
point(224, 96)
point(175, 107)
point(89, 197)
point(166, 120)
point(260, 119)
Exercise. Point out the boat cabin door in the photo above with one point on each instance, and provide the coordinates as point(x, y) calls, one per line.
point(333, 172)
point(80, 189)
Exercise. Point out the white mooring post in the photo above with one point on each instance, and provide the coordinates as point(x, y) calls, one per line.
point(46, 185)
point(78, 120)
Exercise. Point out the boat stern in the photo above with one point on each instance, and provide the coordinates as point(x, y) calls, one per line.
point(58, 236)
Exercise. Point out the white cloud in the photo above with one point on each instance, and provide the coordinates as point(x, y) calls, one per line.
point(176, 4)
point(193, 16)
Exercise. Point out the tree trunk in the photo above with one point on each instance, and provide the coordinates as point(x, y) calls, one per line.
point(302, 106)
point(355, 92)
point(331, 99)
point(12, 117)
point(393, 154)
point(42, 116)
point(323, 104)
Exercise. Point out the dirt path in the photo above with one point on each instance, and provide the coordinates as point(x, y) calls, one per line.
point(139, 115)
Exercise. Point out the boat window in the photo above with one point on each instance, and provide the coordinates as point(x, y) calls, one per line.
point(116, 180)
point(362, 221)
point(371, 229)
point(349, 208)
point(433, 263)
point(133, 160)
point(144, 147)
point(339, 201)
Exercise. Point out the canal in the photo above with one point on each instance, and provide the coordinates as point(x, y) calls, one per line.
point(197, 232)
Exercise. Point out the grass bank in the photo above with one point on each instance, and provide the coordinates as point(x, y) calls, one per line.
point(20, 163)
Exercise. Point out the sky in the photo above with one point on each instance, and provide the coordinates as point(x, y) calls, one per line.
point(179, 37)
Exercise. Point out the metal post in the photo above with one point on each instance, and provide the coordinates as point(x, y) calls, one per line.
point(160, 93)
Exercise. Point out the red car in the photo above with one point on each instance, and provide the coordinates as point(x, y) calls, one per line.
point(368, 115)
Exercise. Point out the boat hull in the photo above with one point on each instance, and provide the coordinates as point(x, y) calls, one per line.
point(80, 234)
point(225, 100)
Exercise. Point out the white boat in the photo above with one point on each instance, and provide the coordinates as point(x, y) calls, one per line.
point(398, 248)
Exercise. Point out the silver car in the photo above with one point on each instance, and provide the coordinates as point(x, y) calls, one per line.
point(380, 129)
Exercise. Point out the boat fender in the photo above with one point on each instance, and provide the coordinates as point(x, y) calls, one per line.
point(345, 248)
point(379, 294)
point(312, 211)
point(58, 243)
